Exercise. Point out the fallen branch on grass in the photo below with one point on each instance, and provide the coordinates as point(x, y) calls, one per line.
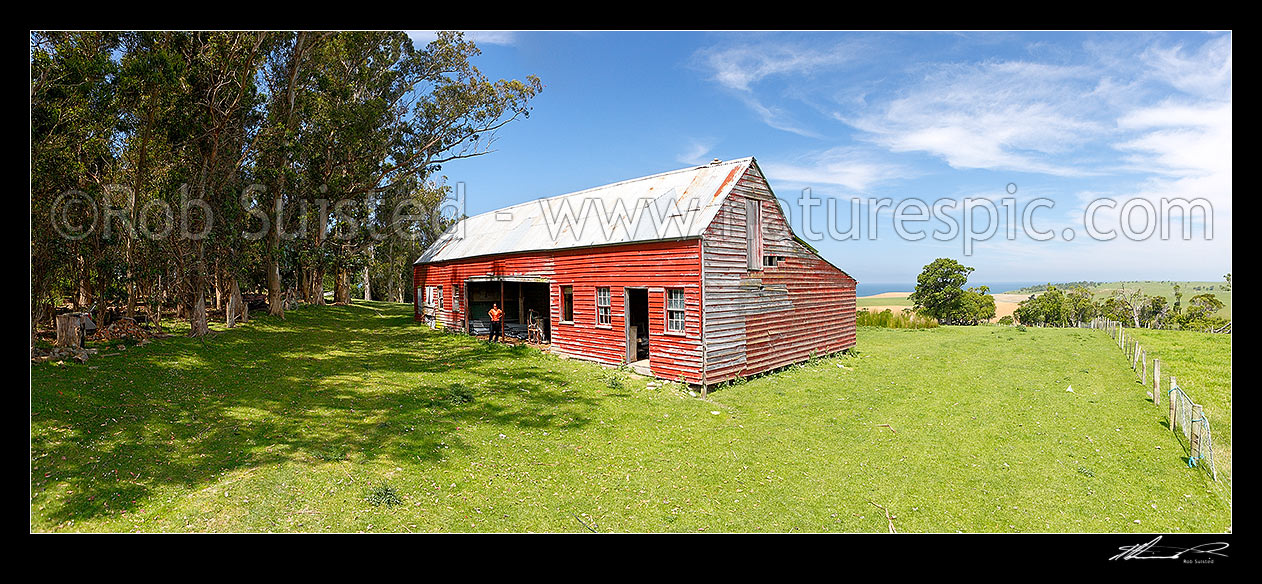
point(888, 426)
point(888, 517)
point(584, 523)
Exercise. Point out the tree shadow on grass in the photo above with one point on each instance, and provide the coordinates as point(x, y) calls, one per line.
point(325, 384)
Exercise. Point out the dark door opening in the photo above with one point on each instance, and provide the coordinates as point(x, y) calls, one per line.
point(520, 301)
point(637, 308)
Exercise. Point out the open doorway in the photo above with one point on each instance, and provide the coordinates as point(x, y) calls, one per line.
point(521, 302)
point(637, 308)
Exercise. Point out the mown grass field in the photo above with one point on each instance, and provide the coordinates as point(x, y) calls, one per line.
point(346, 419)
point(883, 301)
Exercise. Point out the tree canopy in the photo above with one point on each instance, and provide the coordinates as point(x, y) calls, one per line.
point(940, 294)
point(171, 168)
point(1131, 306)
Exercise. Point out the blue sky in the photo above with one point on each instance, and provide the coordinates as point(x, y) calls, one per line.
point(1070, 118)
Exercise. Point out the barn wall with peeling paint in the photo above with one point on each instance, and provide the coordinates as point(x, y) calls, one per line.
point(741, 317)
point(656, 266)
point(760, 319)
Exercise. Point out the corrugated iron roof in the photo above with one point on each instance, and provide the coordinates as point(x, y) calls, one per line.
point(671, 205)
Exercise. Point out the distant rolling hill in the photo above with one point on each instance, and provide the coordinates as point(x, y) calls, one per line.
point(1150, 288)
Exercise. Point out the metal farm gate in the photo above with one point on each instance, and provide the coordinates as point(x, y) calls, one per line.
point(1189, 419)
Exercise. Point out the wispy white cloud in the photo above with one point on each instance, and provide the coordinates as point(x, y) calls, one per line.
point(695, 152)
point(480, 37)
point(1139, 116)
point(846, 167)
point(1186, 140)
point(741, 66)
point(1202, 72)
point(1009, 115)
point(779, 118)
point(1181, 140)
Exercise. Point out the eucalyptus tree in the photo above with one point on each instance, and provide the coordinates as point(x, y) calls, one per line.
point(74, 130)
point(385, 114)
point(189, 147)
point(211, 124)
point(288, 77)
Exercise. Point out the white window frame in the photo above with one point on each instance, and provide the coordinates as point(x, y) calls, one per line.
point(434, 296)
point(607, 306)
point(675, 312)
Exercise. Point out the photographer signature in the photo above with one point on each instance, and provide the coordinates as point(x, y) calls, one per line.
point(1149, 551)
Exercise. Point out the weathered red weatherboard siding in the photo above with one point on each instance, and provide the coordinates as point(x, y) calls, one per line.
point(655, 266)
point(739, 320)
point(758, 320)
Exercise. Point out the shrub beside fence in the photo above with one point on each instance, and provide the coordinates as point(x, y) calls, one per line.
point(886, 318)
point(1186, 416)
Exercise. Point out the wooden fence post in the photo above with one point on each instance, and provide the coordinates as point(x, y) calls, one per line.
point(1143, 367)
point(1198, 425)
point(1156, 381)
point(1135, 356)
point(1173, 400)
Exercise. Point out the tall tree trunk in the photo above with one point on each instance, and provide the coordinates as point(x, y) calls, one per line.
point(238, 310)
point(198, 284)
point(317, 285)
point(275, 296)
point(219, 287)
point(101, 307)
point(84, 298)
point(342, 286)
point(133, 214)
point(367, 282)
point(197, 319)
point(317, 271)
point(304, 284)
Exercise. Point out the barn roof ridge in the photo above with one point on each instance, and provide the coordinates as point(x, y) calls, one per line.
point(502, 239)
point(734, 161)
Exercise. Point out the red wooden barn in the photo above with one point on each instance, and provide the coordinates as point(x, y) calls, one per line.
point(693, 274)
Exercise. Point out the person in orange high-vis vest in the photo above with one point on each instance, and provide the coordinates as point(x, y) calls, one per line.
point(497, 323)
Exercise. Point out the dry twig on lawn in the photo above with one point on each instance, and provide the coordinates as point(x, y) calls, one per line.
point(888, 517)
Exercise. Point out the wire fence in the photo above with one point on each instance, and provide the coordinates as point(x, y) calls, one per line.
point(1185, 416)
point(1189, 417)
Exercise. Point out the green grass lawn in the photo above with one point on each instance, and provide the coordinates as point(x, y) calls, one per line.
point(354, 418)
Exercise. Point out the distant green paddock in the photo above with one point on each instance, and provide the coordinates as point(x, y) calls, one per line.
point(884, 301)
point(1166, 288)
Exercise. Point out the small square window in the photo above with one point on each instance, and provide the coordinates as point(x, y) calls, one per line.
point(602, 306)
point(675, 310)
